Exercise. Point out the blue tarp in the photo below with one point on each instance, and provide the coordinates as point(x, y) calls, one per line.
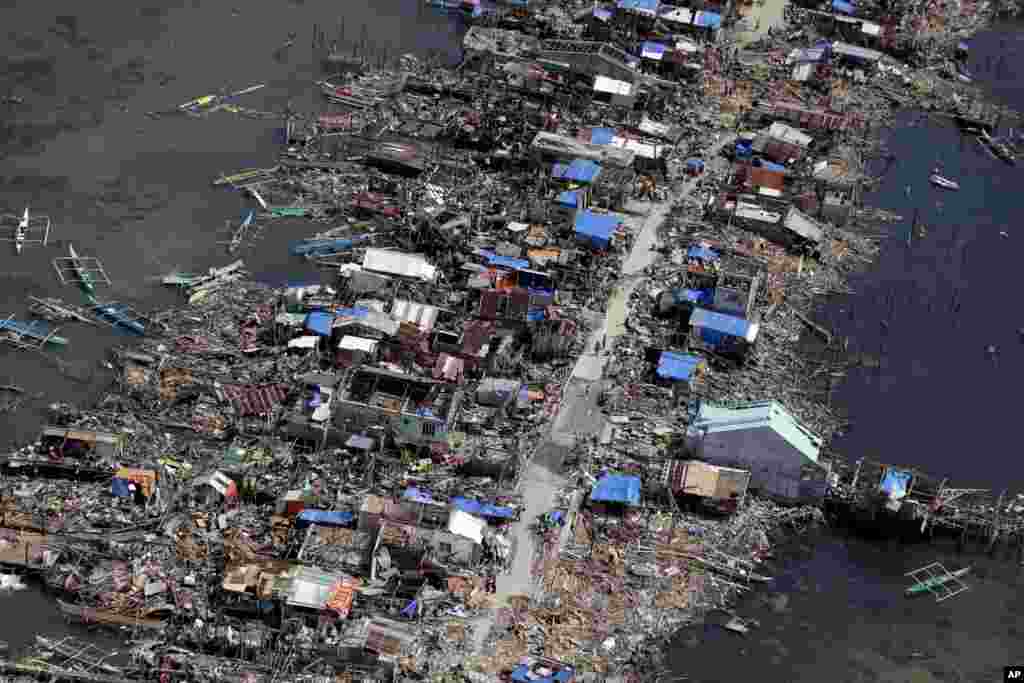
point(597, 227)
point(320, 322)
point(579, 171)
point(694, 296)
point(699, 251)
point(652, 50)
point(323, 518)
point(617, 488)
point(695, 163)
point(602, 14)
point(418, 495)
point(744, 149)
point(962, 46)
point(895, 483)
point(475, 507)
point(721, 323)
point(535, 315)
point(351, 312)
point(602, 136)
point(522, 674)
point(570, 198)
point(769, 165)
point(649, 6)
point(706, 19)
point(677, 366)
point(507, 262)
point(844, 7)
point(119, 488)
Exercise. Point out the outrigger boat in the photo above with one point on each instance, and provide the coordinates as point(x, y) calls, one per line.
point(21, 232)
point(120, 316)
point(943, 182)
point(23, 227)
point(84, 276)
point(32, 330)
point(928, 585)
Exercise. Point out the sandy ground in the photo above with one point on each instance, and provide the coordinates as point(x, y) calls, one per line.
point(761, 16)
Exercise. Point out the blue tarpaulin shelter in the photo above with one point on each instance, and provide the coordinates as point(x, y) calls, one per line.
point(597, 227)
point(570, 198)
point(744, 149)
point(335, 518)
point(602, 136)
point(705, 19)
point(320, 322)
point(699, 251)
point(642, 6)
point(678, 367)
point(617, 488)
point(345, 312)
point(844, 7)
point(475, 507)
point(895, 483)
point(119, 488)
point(695, 164)
point(579, 171)
point(714, 327)
point(602, 14)
point(535, 315)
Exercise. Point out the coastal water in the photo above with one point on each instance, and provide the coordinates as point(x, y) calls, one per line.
point(135, 192)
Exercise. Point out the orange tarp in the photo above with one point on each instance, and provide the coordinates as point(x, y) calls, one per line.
point(343, 594)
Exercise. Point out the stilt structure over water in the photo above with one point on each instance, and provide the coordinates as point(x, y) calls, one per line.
point(904, 500)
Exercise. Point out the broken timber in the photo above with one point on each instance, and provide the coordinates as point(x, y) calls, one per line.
point(815, 327)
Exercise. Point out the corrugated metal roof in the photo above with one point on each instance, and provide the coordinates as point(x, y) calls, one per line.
point(771, 414)
point(579, 171)
point(678, 366)
point(249, 400)
point(640, 6)
point(856, 52)
point(804, 225)
point(421, 315)
point(610, 85)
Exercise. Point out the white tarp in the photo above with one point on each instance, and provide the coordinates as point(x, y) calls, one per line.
point(308, 342)
point(466, 525)
point(399, 263)
point(781, 131)
point(610, 85)
point(353, 343)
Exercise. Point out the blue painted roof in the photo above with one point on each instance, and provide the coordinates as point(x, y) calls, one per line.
point(769, 165)
point(418, 495)
point(707, 19)
point(579, 171)
point(475, 507)
point(652, 49)
point(639, 5)
point(617, 488)
point(701, 252)
point(602, 136)
point(720, 322)
point(324, 518)
point(344, 312)
point(598, 226)
point(695, 163)
point(320, 322)
point(844, 7)
point(678, 366)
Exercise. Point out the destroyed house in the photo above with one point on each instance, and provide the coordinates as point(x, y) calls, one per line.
point(591, 58)
point(499, 305)
point(416, 411)
point(399, 264)
point(811, 119)
point(781, 454)
point(720, 487)
point(548, 148)
point(445, 547)
point(684, 371)
point(78, 443)
point(722, 334)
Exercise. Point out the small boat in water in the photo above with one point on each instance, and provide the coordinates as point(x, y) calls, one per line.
point(120, 315)
point(85, 279)
point(34, 330)
point(935, 582)
point(21, 232)
point(943, 182)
